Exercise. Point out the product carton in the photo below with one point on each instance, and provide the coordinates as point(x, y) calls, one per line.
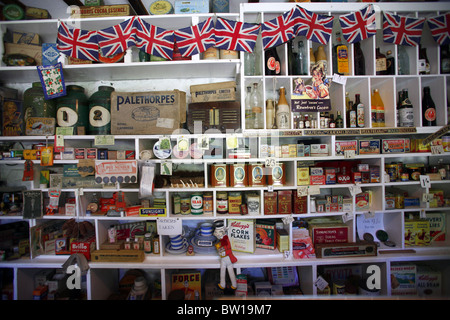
point(266, 234)
point(429, 282)
point(329, 232)
point(155, 112)
point(437, 226)
point(190, 283)
point(403, 280)
point(219, 91)
point(242, 235)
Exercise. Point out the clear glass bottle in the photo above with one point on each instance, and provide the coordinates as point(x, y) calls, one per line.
point(249, 61)
point(292, 58)
point(257, 107)
point(283, 114)
point(301, 59)
point(312, 59)
point(403, 61)
point(249, 116)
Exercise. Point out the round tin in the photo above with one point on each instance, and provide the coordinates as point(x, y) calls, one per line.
point(339, 287)
point(196, 203)
point(392, 172)
point(185, 205)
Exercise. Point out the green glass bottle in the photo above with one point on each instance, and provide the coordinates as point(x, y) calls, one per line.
point(100, 111)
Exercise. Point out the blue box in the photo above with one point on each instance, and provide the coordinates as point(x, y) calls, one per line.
point(191, 6)
point(50, 54)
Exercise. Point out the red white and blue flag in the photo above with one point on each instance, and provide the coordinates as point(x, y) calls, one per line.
point(280, 30)
point(402, 30)
point(118, 38)
point(196, 39)
point(440, 28)
point(359, 25)
point(235, 35)
point(154, 40)
point(314, 27)
point(77, 43)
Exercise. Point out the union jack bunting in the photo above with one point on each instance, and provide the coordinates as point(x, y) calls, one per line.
point(402, 30)
point(234, 35)
point(359, 25)
point(440, 28)
point(154, 40)
point(315, 27)
point(118, 38)
point(77, 43)
point(196, 39)
point(280, 30)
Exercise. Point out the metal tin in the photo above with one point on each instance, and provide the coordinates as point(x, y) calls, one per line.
point(208, 203)
point(234, 202)
point(100, 111)
point(256, 175)
point(238, 175)
point(196, 203)
point(414, 173)
point(222, 202)
point(219, 175)
point(339, 287)
point(253, 204)
point(277, 176)
point(392, 172)
point(185, 205)
point(35, 104)
point(176, 204)
point(73, 109)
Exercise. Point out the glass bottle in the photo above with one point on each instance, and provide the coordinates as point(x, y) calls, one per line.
point(428, 109)
point(351, 115)
point(445, 58)
point(424, 63)
point(249, 62)
point(269, 114)
point(272, 62)
point(249, 116)
point(340, 57)
point(381, 63)
point(406, 111)
point(332, 123)
point(307, 121)
point(399, 106)
point(390, 63)
point(257, 105)
point(301, 59)
point(360, 64)
point(292, 58)
point(339, 121)
point(321, 57)
point(403, 61)
point(312, 59)
point(283, 114)
point(360, 115)
point(301, 122)
point(377, 109)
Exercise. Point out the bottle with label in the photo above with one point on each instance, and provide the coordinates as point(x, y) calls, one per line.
point(360, 115)
point(445, 58)
point(378, 109)
point(360, 64)
point(301, 59)
point(403, 61)
point(339, 121)
point(270, 110)
point(283, 114)
point(249, 116)
point(332, 123)
point(100, 111)
point(340, 57)
point(428, 109)
point(390, 63)
point(351, 115)
point(301, 122)
point(321, 57)
point(256, 105)
point(381, 63)
point(312, 59)
point(272, 62)
point(406, 111)
point(307, 122)
point(424, 63)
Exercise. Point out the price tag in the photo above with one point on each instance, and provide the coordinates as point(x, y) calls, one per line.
point(349, 154)
point(347, 217)
point(339, 79)
point(59, 143)
point(287, 254)
point(425, 181)
point(321, 283)
point(270, 162)
point(302, 191)
point(312, 190)
point(427, 197)
point(64, 131)
point(354, 189)
point(386, 177)
point(437, 149)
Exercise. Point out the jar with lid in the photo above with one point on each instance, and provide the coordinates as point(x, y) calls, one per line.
point(72, 110)
point(222, 202)
point(100, 111)
point(35, 104)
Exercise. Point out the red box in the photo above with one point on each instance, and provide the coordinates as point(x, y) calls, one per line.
point(317, 180)
point(300, 204)
point(84, 247)
point(284, 202)
point(80, 153)
point(130, 155)
point(329, 233)
point(356, 177)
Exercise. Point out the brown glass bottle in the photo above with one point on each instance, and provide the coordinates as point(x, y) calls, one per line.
point(272, 62)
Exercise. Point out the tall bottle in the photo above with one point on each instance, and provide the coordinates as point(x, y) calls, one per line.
point(283, 114)
point(292, 58)
point(403, 61)
point(381, 63)
point(301, 59)
point(270, 110)
point(424, 63)
point(377, 110)
point(358, 108)
point(406, 111)
point(321, 57)
point(351, 115)
point(256, 104)
point(250, 64)
point(272, 62)
point(312, 59)
point(249, 116)
point(445, 58)
point(428, 109)
point(399, 106)
point(390, 63)
point(340, 57)
point(339, 121)
point(360, 64)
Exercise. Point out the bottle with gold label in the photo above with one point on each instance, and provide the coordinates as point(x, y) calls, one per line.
point(283, 114)
point(340, 57)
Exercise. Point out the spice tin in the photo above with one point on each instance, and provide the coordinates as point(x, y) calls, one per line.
point(176, 204)
point(219, 175)
point(208, 204)
point(284, 202)
point(253, 204)
point(234, 202)
point(256, 175)
point(222, 202)
point(185, 205)
point(238, 175)
point(277, 176)
point(196, 203)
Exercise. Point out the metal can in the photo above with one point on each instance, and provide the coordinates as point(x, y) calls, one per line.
point(234, 202)
point(222, 202)
point(219, 175)
point(208, 204)
point(256, 175)
point(392, 172)
point(35, 104)
point(196, 203)
point(339, 287)
point(277, 177)
point(185, 205)
point(238, 175)
point(73, 109)
point(414, 173)
point(176, 204)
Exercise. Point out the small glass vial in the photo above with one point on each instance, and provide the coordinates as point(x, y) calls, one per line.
point(155, 244)
point(136, 245)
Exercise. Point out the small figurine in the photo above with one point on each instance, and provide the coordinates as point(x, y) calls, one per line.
point(227, 259)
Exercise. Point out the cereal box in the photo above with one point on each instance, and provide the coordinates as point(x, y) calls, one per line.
point(266, 234)
point(429, 282)
point(403, 280)
point(342, 146)
point(190, 283)
point(242, 235)
point(437, 226)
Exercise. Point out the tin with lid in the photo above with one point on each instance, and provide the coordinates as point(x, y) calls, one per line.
point(196, 203)
point(73, 110)
point(256, 175)
point(219, 175)
point(238, 175)
point(100, 111)
point(277, 176)
point(222, 202)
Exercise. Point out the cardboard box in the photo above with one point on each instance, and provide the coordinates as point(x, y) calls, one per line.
point(219, 91)
point(242, 235)
point(266, 235)
point(403, 280)
point(282, 240)
point(369, 146)
point(329, 233)
point(30, 50)
point(437, 226)
point(190, 283)
point(84, 247)
point(429, 282)
point(102, 11)
point(156, 112)
point(344, 145)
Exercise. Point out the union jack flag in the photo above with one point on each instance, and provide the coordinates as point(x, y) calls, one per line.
point(402, 30)
point(196, 39)
point(77, 43)
point(279, 30)
point(154, 40)
point(440, 28)
point(118, 38)
point(234, 35)
point(315, 27)
point(359, 25)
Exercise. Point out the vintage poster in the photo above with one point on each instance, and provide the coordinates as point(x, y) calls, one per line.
point(116, 171)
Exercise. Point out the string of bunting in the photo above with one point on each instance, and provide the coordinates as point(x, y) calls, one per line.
point(241, 36)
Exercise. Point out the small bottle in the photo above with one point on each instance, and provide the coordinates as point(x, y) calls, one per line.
point(445, 58)
point(428, 109)
point(351, 115)
point(406, 112)
point(313, 122)
point(381, 64)
point(339, 121)
point(249, 61)
point(332, 123)
point(322, 120)
point(257, 105)
point(127, 244)
point(269, 114)
point(307, 122)
point(249, 116)
point(359, 110)
point(403, 61)
point(136, 244)
point(377, 108)
point(148, 242)
point(155, 244)
point(301, 122)
point(424, 63)
point(283, 113)
point(340, 57)
point(399, 106)
point(321, 57)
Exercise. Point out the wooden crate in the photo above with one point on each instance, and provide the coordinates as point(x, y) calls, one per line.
point(117, 256)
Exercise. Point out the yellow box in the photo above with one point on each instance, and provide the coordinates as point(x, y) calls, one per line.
point(30, 154)
point(282, 240)
point(422, 230)
point(303, 176)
